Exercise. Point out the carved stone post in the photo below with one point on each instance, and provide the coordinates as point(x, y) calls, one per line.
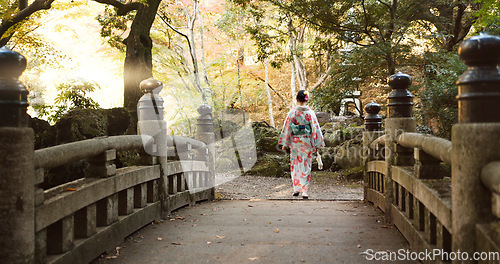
point(17, 174)
point(475, 138)
point(205, 133)
point(152, 126)
point(400, 119)
point(373, 127)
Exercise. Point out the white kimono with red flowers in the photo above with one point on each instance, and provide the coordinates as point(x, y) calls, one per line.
point(301, 146)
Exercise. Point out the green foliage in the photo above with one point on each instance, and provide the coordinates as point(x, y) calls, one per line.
point(488, 17)
point(113, 26)
point(71, 95)
point(439, 108)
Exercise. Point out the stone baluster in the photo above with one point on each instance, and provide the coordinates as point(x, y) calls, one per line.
point(205, 133)
point(400, 119)
point(373, 130)
point(151, 125)
point(475, 138)
point(17, 174)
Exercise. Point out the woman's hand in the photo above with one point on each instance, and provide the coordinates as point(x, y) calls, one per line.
point(283, 148)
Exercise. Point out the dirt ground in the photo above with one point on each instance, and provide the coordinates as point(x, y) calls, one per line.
point(323, 186)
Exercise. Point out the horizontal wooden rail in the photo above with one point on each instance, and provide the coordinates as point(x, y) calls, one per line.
point(490, 175)
point(438, 148)
point(62, 154)
point(380, 141)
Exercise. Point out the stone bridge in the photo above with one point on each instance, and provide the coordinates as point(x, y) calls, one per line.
point(454, 212)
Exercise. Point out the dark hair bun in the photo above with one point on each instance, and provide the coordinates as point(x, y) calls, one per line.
point(303, 96)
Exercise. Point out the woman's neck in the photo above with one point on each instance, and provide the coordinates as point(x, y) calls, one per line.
point(301, 103)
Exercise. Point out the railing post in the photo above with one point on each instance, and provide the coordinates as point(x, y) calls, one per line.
point(150, 115)
point(399, 119)
point(205, 133)
point(373, 130)
point(475, 138)
point(17, 173)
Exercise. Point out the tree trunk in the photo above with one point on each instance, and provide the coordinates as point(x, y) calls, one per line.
point(202, 50)
point(239, 89)
point(269, 99)
point(138, 60)
point(291, 45)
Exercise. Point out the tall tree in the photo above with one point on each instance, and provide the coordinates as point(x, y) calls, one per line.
point(138, 60)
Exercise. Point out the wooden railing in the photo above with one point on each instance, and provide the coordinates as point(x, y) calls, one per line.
point(421, 206)
point(443, 196)
point(79, 220)
point(489, 233)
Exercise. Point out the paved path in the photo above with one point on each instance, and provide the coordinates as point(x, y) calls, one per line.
point(263, 231)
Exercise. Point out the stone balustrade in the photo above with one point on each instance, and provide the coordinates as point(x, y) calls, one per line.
point(77, 221)
point(453, 211)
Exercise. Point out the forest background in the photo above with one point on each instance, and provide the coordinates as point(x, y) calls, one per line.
point(242, 54)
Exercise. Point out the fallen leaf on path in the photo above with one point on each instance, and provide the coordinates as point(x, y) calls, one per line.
point(250, 205)
point(253, 258)
point(221, 237)
point(70, 189)
point(384, 226)
point(159, 238)
point(208, 242)
point(277, 230)
point(180, 218)
point(177, 243)
point(359, 246)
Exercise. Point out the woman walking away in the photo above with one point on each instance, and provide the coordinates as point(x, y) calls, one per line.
point(302, 134)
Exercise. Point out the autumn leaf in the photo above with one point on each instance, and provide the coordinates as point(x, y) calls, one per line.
point(277, 230)
point(70, 189)
point(221, 237)
point(177, 243)
point(159, 238)
point(253, 258)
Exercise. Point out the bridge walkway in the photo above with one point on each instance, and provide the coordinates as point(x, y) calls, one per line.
point(263, 231)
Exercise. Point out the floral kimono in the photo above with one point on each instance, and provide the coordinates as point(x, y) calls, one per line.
point(302, 145)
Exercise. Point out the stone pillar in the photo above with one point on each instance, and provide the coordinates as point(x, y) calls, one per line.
point(205, 133)
point(399, 119)
point(475, 138)
point(151, 125)
point(17, 174)
point(373, 130)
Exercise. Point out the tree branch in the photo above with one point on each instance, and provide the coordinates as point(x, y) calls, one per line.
point(122, 9)
point(270, 87)
point(37, 5)
point(322, 78)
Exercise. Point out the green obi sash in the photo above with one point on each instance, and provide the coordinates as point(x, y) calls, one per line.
point(301, 129)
